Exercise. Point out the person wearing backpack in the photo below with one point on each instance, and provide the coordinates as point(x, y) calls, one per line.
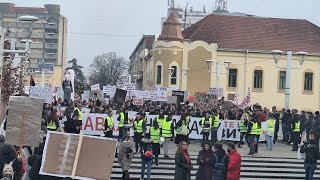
point(125, 157)
point(220, 162)
point(182, 162)
point(312, 154)
point(146, 155)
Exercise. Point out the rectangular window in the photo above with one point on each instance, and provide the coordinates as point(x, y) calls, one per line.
point(308, 80)
point(173, 79)
point(257, 79)
point(159, 74)
point(232, 81)
point(282, 80)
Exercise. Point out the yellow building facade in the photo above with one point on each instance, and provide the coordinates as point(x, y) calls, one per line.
point(241, 58)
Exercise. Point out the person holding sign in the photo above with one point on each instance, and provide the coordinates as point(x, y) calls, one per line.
point(108, 125)
point(206, 123)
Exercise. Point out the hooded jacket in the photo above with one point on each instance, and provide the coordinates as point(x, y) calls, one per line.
point(125, 157)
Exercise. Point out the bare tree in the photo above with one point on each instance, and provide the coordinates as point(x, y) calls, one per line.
point(107, 68)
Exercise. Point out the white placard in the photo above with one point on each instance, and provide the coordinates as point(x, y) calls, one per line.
point(142, 94)
point(95, 87)
point(45, 93)
point(216, 91)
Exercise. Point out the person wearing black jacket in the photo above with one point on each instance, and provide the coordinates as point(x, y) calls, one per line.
point(72, 125)
point(309, 124)
point(316, 128)
point(8, 154)
point(295, 131)
point(139, 127)
point(219, 156)
point(310, 161)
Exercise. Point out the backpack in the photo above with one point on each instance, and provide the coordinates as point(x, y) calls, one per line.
point(148, 154)
point(219, 171)
point(7, 170)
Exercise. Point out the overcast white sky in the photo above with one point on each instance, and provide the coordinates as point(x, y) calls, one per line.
point(123, 22)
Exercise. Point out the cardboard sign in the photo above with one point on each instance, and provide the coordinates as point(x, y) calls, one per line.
point(95, 87)
point(24, 121)
point(45, 93)
point(78, 156)
point(216, 91)
point(172, 99)
point(180, 96)
point(120, 96)
point(137, 101)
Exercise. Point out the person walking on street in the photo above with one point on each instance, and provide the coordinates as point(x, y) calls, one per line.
point(125, 157)
point(206, 123)
point(108, 125)
point(219, 161)
point(146, 156)
point(205, 168)
point(310, 161)
point(155, 134)
point(295, 132)
point(269, 131)
point(139, 127)
point(183, 164)
point(234, 165)
point(168, 133)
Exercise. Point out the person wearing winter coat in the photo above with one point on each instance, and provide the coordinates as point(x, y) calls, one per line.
point(205, 167)
point(219, 157)
point(146, 155)
point(8, 154)
point(125, 157)
point(183, 164)
point(312, 154)
point(309, 124)
point(234, 166)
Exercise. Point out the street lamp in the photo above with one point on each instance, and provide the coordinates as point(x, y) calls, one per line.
point(276, 55)
point(210, 64)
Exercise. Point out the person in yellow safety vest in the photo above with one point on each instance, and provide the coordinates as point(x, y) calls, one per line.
point(123, 119)
point(52, 121)
point(269, 131)
point(182, 129)
point(155, 134)
point(160, 118)
point(78, 111)
point(243, 127)
point(258, 134)
point(295, 128)
point(206, 123)
point(168, 133)
point(251, 132)
point(139, 127)
point(215, 126)
point(108, 125)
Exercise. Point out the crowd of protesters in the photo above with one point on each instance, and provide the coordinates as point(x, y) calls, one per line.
point(213, 163)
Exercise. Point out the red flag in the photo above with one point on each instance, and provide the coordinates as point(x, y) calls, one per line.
point(32, 81)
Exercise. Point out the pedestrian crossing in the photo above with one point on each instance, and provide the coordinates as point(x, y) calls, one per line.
point(251, 168)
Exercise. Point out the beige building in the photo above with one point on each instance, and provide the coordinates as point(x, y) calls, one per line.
point(239, 49)
point(49, 36)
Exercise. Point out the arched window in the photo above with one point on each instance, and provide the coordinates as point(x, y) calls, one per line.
point(159, 73)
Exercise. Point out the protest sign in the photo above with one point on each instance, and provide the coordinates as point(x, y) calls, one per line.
point(78, 156)
point(216, 91)
point(228, 129)
point(137, 101)
point(142, 94)
point(153, 96)
point(24, 121)
point(120, 96)
point(45, 93)
point(95, 87)
point(162, 94)
point(180, 96)
point(172, 99)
